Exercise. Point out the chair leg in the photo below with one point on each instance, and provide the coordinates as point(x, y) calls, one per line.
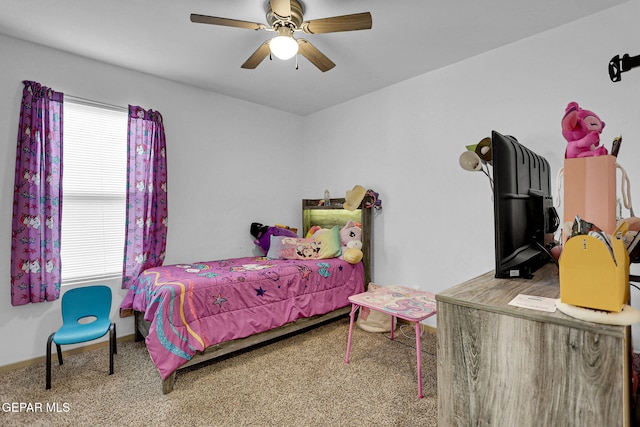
point(112, 346)
point(59, 352)
point(115, 340)
point(48, 381)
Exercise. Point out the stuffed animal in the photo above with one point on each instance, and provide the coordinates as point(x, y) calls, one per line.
point(351, 242)
point(353, 254)
point(582, 129)
point(350, 232)
point(263, 234)
point(312, 231)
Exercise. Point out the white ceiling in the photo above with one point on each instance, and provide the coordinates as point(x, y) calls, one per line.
point(408, 38)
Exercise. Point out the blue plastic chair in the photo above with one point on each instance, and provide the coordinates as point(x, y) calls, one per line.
point(85, 317)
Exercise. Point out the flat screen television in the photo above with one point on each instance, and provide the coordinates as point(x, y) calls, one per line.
point(524, 216)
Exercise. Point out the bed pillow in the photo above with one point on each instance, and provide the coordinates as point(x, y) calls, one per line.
point(324, 244)
point(275, 247)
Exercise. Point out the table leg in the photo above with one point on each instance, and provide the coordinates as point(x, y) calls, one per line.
point(354, 308)
point(419, 359)
point(393, 329)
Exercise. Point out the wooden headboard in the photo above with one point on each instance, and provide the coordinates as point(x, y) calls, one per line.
point(315, 213)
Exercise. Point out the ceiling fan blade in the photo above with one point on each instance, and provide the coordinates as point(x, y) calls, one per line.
point(282, 8)
point(357, 21)
point(214, 20)
point(314, 56)
point(256, 57)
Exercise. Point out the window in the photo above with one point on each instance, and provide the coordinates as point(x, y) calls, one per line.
point(93, 190)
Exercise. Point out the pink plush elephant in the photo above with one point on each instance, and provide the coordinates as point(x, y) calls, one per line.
point(582, 128)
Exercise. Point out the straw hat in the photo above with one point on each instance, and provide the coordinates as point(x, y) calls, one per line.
point(354, 197)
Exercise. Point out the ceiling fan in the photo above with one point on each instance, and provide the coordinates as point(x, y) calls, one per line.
point(285, 18)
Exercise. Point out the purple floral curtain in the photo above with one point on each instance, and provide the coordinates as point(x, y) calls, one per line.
point(37, 197)
point(146, 233)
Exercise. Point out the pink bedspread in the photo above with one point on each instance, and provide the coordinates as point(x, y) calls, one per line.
point(193, 306)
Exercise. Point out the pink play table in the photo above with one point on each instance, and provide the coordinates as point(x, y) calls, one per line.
point(398, 301)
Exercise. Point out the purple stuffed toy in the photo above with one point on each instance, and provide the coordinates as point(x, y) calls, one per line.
point(582, 128)
point(263, 234)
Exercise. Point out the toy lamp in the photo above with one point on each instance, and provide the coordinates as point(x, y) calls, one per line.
point(470, 161)
point(476, 157)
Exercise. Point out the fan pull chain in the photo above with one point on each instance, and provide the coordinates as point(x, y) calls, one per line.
point(296, 62)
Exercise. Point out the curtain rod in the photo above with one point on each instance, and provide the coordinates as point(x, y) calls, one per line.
point(92, 103)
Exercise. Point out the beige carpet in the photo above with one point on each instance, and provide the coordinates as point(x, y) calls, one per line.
point(298, 381)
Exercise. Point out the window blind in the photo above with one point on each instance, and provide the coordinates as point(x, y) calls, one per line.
point(93, 190)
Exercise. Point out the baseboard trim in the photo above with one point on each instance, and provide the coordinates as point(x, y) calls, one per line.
point(127, 338)
point(42, 359)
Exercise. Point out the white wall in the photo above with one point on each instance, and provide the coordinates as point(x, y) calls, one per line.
point(402, 141)
point(222, 171)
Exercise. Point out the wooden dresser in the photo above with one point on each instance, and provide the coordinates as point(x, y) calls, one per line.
point(502, 365)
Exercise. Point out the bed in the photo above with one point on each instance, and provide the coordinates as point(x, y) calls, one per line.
point(194, 312)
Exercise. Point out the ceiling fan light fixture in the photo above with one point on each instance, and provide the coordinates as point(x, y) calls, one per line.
point(285, 17)
point(284, 46)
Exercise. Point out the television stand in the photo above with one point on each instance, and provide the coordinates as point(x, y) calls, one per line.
point(506, 366)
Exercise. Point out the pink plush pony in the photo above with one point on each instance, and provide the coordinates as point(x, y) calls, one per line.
point(582, 128)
